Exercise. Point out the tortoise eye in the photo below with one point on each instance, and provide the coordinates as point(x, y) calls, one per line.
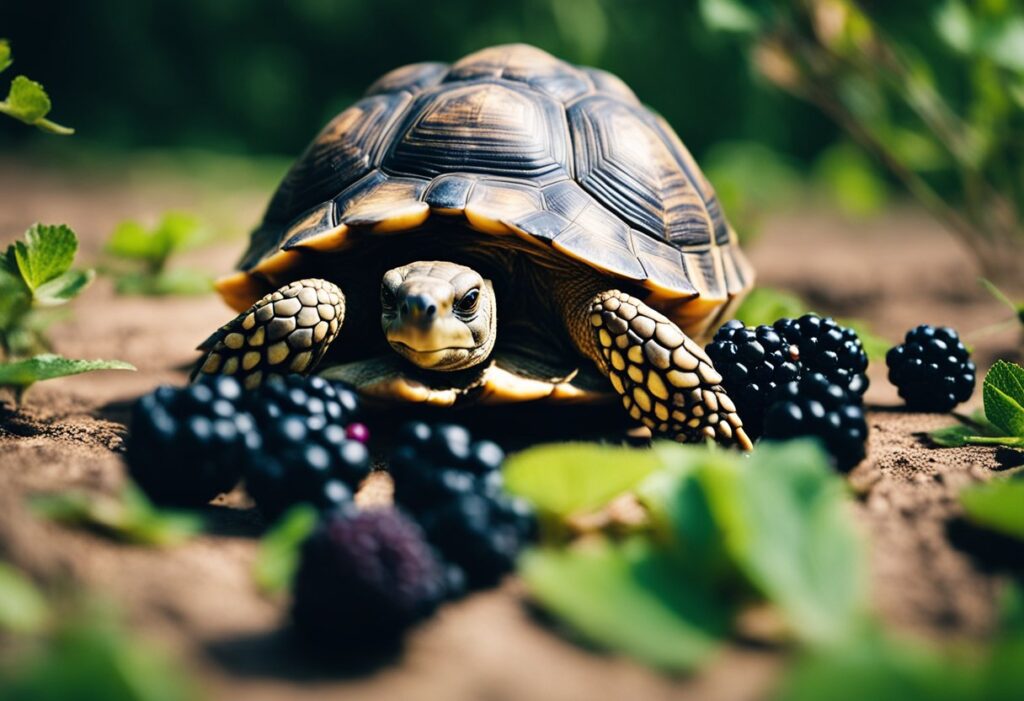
point(469, 301)
point(387, 298)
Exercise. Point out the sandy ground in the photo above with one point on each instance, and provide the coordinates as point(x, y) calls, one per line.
point(931, 576)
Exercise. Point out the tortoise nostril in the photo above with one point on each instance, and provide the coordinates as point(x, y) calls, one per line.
point(431, 310)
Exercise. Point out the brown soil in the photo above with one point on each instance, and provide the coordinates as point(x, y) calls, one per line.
point(931, 574)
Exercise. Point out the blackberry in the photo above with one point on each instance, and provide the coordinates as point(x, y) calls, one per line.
point(753, 363)
point(932, 369)
point(307, 454)
point(186, 443)
point(364, 578)
point(815, 406)
point(453, 485)
point(482, 535)
point(432, 463)
point(822, 345)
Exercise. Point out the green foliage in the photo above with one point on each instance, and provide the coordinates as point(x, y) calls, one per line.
point(629, 596)
point(89, 654)
point(851, 180)
point(724, 531)
point(875, 665)
point(19, 375)
point(937, 98)
point(750, 180)
point(997, 505)
point(278, 556)
point(1003, 420)
point(140, 256)
point(27, 101)
point(36, 274)
point(566, 479)
point(129, 517)
point(23, 609)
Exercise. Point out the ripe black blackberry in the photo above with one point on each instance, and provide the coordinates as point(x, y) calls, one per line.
point(453, 486)
point(932, 369)
point(185, 444)
point(364, 577)
point(753, 363)
point(306, 454)
point(822, 345)
point(814, 406)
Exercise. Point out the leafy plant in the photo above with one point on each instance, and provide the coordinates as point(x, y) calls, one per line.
point(725, 532)
point(1003, 420)
point(27, 101)
point(36, 276)
point(278, 556)
point(129, 517)
point(936, 97)
point(996, 505)
point(23, 609)
point(140, 256)
point(86, 652)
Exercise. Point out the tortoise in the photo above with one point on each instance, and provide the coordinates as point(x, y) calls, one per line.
point(508, 179)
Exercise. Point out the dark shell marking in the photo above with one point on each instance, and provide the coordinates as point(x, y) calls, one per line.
point(516, 142)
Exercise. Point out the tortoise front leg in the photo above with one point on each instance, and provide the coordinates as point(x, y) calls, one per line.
point(287, 331)
point(666, 380)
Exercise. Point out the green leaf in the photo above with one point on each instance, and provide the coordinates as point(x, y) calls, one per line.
point(955, 436)
point(766, 305)
point(46, 253)
point(22, 608)
point(21, 374)
point(63, 288)
point(878, 668)
point(954, 25)
point(1003, 394)
point(997, 505)
point(278, 555)
point(27, 100)
point(784, 516)
point(129, 517)
point(567, 478)
point(729, 16)
point(5, 55)
point(175, 232)
point(628, 597)
point(851, 180)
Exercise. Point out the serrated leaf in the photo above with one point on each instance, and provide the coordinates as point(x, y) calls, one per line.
point(21, 374)
point(998, 505)
point(63, 288)
point(22, 608)
point(5, 55)
point(278, 555)
point(129, 516)
point(567, 478)
point(27, 100)
point(628, 597)
point(1003, 395)
point(46, 253)
point(783, 515)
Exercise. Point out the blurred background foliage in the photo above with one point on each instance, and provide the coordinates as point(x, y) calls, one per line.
point(771, 95)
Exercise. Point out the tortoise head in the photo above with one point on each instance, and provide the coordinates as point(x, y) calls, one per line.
point(438, 315)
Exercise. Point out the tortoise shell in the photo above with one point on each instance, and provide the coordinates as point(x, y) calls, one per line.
point(513, 142)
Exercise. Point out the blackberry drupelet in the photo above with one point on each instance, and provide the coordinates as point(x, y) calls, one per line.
point(186, 444)
point(307, 453)
point(932, 369)
point(814, 406)
point(822, 345)
point(453, 485)
point(753, 363)
point(364, 577)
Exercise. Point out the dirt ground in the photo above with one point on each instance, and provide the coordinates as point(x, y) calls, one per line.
point(931, 575)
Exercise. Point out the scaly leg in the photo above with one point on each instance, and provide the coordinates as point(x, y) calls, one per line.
point(666, 381)
point(287, 331)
